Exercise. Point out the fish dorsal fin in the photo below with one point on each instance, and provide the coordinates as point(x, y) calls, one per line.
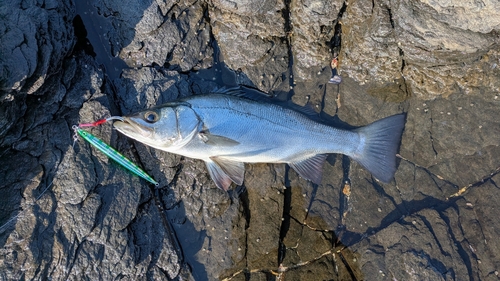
point(259, 96)
point(217, 140)
point(221, 179)
point(245, 92)
point(233, 169)
point(310, 168)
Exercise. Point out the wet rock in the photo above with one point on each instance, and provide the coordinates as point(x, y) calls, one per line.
point(77, 206)
point(68, 211)
point(34, 38)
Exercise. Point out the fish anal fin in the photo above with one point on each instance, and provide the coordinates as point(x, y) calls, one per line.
point(310, 168)
point(234, 169)
point(210, 139)
point(220, 178)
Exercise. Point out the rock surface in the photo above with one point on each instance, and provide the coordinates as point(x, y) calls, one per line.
point(68, 212)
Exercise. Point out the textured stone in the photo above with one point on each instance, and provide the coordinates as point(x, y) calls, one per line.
point(313, 27)
point(68, 212)
point(34, 38)
point(251, 38)
point(416, 45)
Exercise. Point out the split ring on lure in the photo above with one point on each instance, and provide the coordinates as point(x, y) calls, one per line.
point(109, 151)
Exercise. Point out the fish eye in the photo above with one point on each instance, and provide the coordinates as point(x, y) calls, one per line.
point(151, 116)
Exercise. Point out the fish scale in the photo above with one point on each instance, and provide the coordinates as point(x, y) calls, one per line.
point(228, 128)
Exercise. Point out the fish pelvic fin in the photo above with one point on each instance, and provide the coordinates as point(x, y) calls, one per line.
point(310, 168)
point(224, 171)
point(380, 142)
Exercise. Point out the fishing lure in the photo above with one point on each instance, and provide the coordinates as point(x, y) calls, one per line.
point(109, 151)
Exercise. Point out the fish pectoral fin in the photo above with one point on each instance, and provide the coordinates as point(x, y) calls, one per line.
point(234, 169)
point(310, 168)
point(221, 179)
point(210, 139)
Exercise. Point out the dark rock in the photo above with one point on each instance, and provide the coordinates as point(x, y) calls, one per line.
point(68, 212)
point(34, 39)
point(90, 208)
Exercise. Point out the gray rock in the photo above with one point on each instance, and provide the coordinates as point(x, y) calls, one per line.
point(34, 38)
point(419, 46)
point(313, 27)
point(77, 207)
point(68, 212)
point(252, 39)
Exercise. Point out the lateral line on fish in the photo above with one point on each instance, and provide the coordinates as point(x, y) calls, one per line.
point(270, 120)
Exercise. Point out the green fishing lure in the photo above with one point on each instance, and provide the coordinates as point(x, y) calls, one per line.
point(113, 154)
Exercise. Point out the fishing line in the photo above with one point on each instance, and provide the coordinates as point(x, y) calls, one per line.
point(4, 226)
point(103, 147)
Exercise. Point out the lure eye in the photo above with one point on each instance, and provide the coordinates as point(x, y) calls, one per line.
point(151, 117)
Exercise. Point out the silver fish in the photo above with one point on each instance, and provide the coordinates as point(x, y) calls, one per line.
point(229, 128)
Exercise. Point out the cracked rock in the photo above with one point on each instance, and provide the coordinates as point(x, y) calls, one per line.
point(68, 212)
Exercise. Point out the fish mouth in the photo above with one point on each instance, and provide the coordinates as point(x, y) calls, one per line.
point(131, 128)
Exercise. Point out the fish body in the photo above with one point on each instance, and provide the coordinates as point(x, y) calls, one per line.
point(229, 129)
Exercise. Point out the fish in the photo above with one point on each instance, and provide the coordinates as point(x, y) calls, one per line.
point(230, 127)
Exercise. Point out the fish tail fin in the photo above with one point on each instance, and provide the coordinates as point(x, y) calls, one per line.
point(379, 144)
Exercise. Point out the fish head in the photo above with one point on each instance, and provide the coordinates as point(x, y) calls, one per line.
point(163, 127)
